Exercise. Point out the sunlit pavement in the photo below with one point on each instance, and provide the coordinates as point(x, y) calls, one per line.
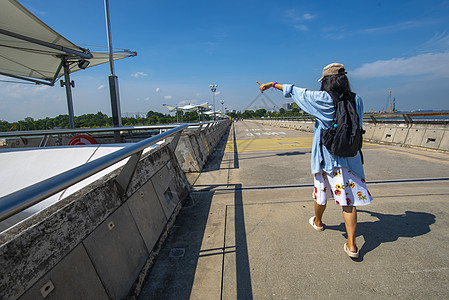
point(244, 234)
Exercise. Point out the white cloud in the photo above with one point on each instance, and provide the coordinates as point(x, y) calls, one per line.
point(293, 16)
point(298, 20)
point(100, 87)
point(217, 93)
point(23, 90)
point(183, 102)
point(439, 42)
point(301, 27)
point(340, 32)
point(147, 99)
point(168, 97)
point(35, 11)
point(435, 64)
point(138, 74)
point(191, 101)
point(157, 90)
point(396, 27)
point(308, 16)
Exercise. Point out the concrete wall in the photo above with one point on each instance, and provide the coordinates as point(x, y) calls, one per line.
point(417, 135)
point(194, 147)
point(95, 244)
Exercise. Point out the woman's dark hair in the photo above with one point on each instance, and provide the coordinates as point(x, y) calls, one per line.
point(337, 86)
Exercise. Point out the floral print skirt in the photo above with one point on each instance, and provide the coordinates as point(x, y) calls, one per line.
point(345, 187)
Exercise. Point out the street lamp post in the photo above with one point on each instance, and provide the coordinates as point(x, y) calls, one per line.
point(222, 107)
point(213, 88)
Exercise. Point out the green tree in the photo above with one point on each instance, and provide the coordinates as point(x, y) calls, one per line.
point(191, 116)
point(260, 113)
point(248, 114)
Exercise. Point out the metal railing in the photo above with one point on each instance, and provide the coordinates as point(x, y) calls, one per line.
point(161, 128)
point(24, 198)
point(409, 117)
point(377, 117)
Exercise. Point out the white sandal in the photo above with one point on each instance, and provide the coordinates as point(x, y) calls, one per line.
point(311, 222)
point(349, 253)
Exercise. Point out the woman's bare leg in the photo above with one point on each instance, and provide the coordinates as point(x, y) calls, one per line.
point(350, 217)
point(319, 210)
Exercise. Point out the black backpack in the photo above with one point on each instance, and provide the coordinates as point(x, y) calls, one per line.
point(344, 136)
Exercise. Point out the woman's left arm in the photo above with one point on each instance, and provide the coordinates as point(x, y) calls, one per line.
point(316, 103)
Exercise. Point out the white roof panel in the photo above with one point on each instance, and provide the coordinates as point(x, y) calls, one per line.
point(30, 48)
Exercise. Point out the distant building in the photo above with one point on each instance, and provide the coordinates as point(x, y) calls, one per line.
point(287, 106)
point(295, 107)
point(136, 115)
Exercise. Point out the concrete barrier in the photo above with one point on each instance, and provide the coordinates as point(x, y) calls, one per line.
point(400, 135)
point(191, 152)
point(369, 131)
point(195, 147)
point(432, 138)
point(95, 244)
point(444, 145)
point(421, 135)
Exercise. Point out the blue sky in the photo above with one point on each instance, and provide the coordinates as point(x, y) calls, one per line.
point(184, 46)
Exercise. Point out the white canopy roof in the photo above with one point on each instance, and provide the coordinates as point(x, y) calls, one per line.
point(170, 108)
point(192, 107)
point(31, 50)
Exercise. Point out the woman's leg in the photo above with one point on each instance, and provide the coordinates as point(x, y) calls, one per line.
point(350, 217)
point(319, 210)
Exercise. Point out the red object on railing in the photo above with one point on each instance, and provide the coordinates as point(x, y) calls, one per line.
point(82, 139)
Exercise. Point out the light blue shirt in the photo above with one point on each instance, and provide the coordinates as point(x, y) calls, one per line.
point(320, 105)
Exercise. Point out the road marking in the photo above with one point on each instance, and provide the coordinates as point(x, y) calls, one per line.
point(269, 144)
point(266, 133)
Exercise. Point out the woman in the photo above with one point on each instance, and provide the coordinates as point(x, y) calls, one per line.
point(342, 178)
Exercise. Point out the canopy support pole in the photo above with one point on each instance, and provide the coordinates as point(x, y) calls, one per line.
point(86, 54)
point(113, 80)
point(27, 79)
point(68, 91)
point(57, 72)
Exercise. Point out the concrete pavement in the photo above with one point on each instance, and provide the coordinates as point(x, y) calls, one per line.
point(244, 234)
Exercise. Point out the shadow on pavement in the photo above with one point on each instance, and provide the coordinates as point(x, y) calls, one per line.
point(291, 153)
point(216, 158)
point(389, 228)
point(172, 276)
point(243, 272)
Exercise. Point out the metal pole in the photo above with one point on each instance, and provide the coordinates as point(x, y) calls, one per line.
point(213, 88)
point(222, 106)
point(86, 54)
point(68, 92)
point(113, 80)
point(108, 30)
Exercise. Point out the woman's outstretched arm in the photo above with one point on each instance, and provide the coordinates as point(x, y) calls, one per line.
point(269, 85)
